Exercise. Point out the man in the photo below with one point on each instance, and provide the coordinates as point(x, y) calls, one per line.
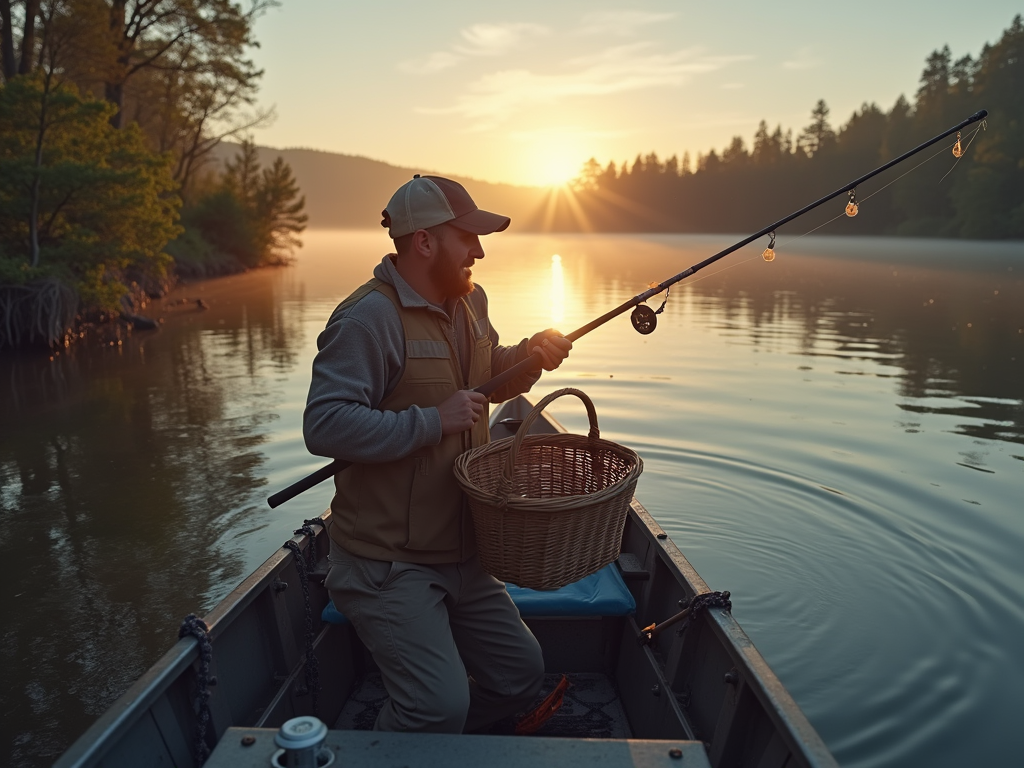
point(392, 393)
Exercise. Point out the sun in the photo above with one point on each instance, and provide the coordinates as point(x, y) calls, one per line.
point(553, 161)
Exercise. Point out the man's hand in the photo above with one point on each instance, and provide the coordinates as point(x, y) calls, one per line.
point(552, 346)
point(461, 411)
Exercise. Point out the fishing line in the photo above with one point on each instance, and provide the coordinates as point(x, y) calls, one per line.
point(771, 246)
point(959, 154)
point(643, 317)
point(893, 181)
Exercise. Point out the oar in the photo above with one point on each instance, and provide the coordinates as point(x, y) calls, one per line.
point(533, 362)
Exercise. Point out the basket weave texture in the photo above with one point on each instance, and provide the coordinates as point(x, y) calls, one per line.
point(549, 509)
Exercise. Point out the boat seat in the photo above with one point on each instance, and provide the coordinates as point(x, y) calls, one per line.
point(601, 594)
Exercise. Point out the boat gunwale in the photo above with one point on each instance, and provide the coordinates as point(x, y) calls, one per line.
point(779, 704)
point(135, 702)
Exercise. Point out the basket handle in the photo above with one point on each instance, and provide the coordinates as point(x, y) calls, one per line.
point(508, 471)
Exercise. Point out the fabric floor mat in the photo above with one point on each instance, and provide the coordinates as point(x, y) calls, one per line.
point(590, 710)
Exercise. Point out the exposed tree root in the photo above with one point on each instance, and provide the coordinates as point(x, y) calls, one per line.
point(36, 314)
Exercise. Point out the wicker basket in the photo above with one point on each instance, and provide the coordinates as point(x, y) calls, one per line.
point(549, 509)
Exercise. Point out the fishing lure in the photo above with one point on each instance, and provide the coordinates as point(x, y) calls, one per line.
point(768, 254)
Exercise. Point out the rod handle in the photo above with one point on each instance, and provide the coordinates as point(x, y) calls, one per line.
point(303, 485)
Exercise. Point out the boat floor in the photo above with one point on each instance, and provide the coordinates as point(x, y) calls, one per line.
point(591, 708)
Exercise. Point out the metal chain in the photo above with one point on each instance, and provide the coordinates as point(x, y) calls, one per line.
point(197, 628)
point(312, 664)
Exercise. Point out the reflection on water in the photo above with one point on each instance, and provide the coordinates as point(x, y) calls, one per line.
point(557, 291)
point(837, 437)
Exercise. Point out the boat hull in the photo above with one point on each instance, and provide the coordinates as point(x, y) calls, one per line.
point(707, 684)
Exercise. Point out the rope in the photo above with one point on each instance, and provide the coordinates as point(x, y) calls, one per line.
point(312, 664)
point(195, 627)
point(307, 530)
point(702, 602)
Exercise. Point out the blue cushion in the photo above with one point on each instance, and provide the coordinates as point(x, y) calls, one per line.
point(601, 594)
point(331, 615)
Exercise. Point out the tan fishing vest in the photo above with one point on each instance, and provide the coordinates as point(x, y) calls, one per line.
point(412, 510)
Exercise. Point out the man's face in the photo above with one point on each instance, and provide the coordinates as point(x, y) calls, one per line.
point(452, 270)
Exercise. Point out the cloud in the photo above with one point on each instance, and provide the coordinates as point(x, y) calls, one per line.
point(479, 40)
point(497, 96)
point(497, 39)
point(619, 22)
point(435, 62)
point(803, 60)
point(546, 135)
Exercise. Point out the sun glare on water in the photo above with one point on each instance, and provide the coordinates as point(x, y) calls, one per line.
point(557, 291)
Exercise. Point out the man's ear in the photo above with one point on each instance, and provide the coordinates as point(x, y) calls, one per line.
point(422, 244)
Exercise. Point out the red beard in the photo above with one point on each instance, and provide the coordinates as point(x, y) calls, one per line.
point(450, 276)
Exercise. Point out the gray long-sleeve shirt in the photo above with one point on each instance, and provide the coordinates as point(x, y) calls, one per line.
point(360, 361)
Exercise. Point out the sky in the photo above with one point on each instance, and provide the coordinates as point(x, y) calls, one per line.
point(526, 92)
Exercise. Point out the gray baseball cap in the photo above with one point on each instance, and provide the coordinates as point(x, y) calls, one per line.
point(427, 201)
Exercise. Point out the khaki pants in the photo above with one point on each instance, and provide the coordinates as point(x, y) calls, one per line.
point(430, 626)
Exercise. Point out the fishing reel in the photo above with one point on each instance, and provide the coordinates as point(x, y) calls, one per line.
point(644, 319)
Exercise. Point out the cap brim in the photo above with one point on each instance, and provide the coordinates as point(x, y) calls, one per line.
point(481, 222)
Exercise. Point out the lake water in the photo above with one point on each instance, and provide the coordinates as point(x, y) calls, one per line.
point(836, 437)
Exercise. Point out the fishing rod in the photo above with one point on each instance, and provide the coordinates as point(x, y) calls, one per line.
point(644, 318)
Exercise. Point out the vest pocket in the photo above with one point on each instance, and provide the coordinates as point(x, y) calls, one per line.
point(434, 502)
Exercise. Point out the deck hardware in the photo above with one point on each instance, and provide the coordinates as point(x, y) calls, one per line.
point(280, 585)
point(248, 741)
point(656, 690)
point(699, 603)
point(675, 753)
point(731, 677)
point(663, 535)
point(301, 742)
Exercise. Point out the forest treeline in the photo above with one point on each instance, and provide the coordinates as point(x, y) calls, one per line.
point(744, 187)
point(110, 111)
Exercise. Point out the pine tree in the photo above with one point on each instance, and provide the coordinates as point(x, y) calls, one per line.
point(819, 134)
point(279, 213)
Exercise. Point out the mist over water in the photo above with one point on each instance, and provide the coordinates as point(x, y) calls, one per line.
point(836, 437)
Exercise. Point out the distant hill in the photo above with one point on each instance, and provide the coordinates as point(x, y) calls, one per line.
point(347, 191)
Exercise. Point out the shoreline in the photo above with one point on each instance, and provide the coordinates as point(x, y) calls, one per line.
point(102, 327)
